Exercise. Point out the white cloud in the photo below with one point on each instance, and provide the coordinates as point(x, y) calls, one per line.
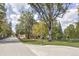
point(69, 18)
point(13, 13)
point(14, 19)
point(35, 16)
point(14, 8)
point(14, 16)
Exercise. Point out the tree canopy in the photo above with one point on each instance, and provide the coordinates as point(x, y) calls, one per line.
point(49, 12)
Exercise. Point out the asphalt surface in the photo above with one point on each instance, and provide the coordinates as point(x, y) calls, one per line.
point(54, 50)
point(13, 47)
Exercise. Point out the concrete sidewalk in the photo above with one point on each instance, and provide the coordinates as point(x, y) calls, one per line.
point(52, 50)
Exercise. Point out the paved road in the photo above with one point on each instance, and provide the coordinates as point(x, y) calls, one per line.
point(13, 47)
point(53, 50)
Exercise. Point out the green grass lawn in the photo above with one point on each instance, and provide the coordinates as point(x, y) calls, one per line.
point(45, 42)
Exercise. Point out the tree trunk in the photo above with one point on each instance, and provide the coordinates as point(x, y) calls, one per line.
point(28, 37)
point(50, 24)
point(49, 32)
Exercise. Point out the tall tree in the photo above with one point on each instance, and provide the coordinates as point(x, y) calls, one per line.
point(5, 30)
point(57, 33)
point(26, 23)
point(77, 30)
point(77, 24)
point(20, 28)
point(40, 29)
point(60, 31)
point(2, 11)
point(70, 31)
point(4, 26)
point(2, 14)
point(49, 12)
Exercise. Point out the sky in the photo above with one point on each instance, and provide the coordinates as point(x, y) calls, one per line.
point(14, 11)
point(71, 16)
